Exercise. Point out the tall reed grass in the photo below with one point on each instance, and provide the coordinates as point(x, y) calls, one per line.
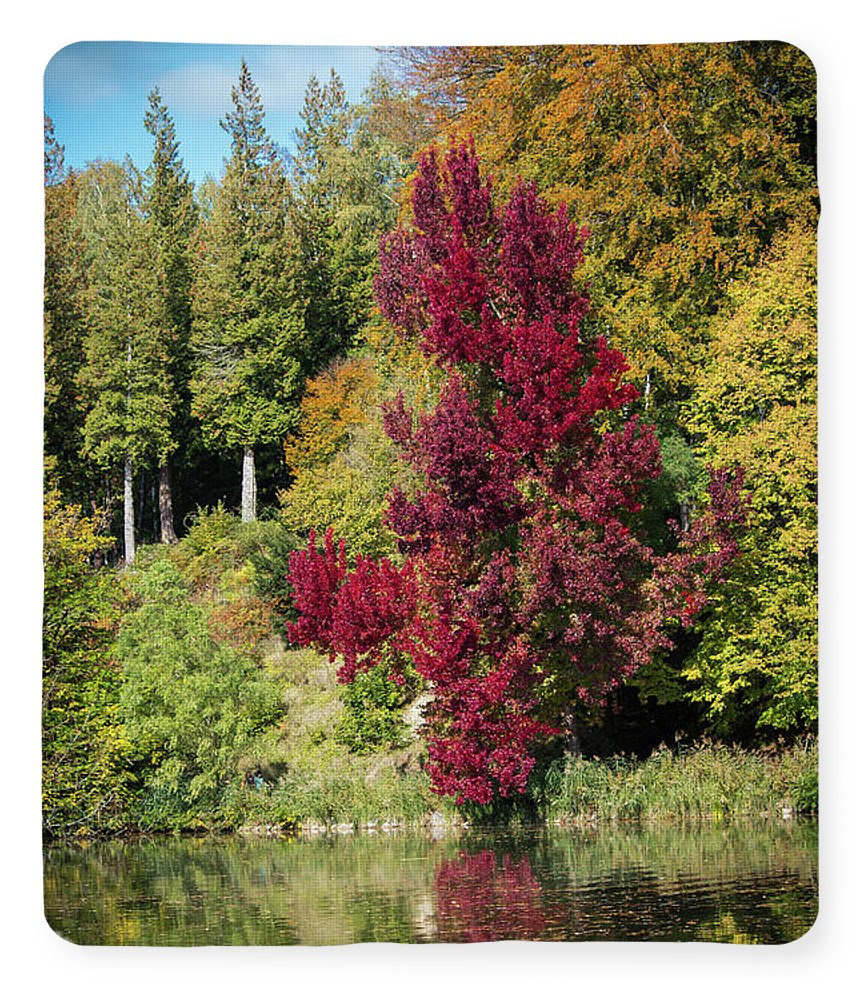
point(708, 780)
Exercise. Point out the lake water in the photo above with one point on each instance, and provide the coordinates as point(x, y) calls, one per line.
point(744, 883)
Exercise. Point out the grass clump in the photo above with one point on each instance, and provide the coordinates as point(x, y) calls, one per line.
point(323, 780)
point(709, 780)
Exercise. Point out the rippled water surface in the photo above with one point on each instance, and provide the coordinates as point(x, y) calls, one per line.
point(742, 883)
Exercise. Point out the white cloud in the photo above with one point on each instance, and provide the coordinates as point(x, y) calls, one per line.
point(198, 89)
point(280, 72)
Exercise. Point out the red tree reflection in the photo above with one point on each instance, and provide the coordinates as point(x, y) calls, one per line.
point(480, 897)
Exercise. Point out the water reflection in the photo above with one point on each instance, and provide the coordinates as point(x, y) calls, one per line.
point(737, 883)
point(480, 897)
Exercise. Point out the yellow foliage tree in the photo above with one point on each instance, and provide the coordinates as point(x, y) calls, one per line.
point(341, 462)
point(755, 406)
point(681, 160)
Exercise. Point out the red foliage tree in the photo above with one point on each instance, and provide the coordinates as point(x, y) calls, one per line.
point(525, 588)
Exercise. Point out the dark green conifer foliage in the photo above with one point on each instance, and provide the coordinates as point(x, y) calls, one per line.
point(125, 376)
point(247, 328)
point(65, 286)
point(344, 181)
point(170, 213)
point(325, 115)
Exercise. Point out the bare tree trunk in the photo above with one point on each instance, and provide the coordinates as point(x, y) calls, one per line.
point(128, 513)
point(166, 510)
point(248, 486)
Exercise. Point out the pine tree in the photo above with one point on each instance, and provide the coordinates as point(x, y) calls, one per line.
point(247, 329)
point(170, 214)
point(125, 374)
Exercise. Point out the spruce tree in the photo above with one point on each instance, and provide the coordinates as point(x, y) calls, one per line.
point(170, 214)
point(247, 329)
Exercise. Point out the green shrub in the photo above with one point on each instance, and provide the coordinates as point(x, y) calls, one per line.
point(192, 704)
point(374, 704)
point(209, 547)
point(86, 751)
point(270, 561)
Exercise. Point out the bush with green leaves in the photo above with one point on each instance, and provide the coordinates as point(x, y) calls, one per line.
point(230, 560)
point(193, 704)
point(86, 751)
point(374, 707)
point(215, 543)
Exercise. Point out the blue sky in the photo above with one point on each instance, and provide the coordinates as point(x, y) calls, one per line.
point(96, 94)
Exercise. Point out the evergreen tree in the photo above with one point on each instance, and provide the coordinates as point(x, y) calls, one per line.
point(345, 176)
point(247, 328)
point(325, 115)
point(65, 288)
point(125, 374)
point(170, 214)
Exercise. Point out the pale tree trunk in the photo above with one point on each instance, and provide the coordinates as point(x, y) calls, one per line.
point(128, 513)
point(142, 497)
point(128, 500)
point(248, 486)
point(166, 510)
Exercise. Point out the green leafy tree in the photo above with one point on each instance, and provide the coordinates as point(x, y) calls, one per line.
point(192, 703)
point(125, 375)
point(86, 751)
point(755, 405)
point(170, 214)
point(248, 333)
